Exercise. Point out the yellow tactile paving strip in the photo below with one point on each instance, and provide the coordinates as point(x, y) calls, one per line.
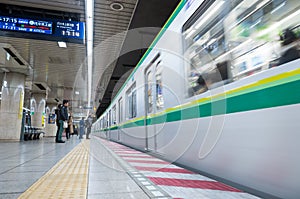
point(67, 179)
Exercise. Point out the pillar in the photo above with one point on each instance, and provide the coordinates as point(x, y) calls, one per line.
point(11, 108)
point(38, 110)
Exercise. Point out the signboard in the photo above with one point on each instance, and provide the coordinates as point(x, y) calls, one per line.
point(25, 25)
point(45, 29)
point(88, 107)
point(69, 29)
point(51, 118)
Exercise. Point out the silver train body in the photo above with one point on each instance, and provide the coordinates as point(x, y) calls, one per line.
point(243, 125)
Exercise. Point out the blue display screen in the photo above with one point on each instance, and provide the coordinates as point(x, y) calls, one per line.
point(69, 29)
point(26, 25)
point(53, 30)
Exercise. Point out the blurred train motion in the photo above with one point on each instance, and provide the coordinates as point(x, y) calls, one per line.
point(218, 92)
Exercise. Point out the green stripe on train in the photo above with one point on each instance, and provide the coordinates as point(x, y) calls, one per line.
point(280, 95)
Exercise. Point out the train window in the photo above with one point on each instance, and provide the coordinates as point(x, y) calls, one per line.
point(131, 99)
point(101, 123)
point(149, 92)
point(159, 87)
point(114, 118)
point(227, 40)
point(120, 110)
point(104, 121)
point(109, 118)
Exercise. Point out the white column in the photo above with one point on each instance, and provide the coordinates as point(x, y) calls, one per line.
point(12, 106)
point(38, 110)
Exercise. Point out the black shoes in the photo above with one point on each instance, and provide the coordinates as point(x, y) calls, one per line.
point(60, 141)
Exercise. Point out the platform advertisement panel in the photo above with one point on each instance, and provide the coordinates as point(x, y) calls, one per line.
point(51, 118)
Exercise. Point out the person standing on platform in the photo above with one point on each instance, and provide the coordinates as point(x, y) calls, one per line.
point(70, 126)
point(57, 113)
point(81, 126)
point(63, 118)
point(88, 126)
point(68, 131)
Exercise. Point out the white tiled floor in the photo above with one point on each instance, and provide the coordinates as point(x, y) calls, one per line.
point(110, 175)
point(23, 163)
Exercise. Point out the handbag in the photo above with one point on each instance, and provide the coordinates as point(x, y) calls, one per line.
point(65, 124)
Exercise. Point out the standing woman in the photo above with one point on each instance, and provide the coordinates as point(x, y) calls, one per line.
point(71, 129)
point(68, 129)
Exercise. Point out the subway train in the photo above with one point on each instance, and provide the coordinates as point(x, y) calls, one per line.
point(218, 91)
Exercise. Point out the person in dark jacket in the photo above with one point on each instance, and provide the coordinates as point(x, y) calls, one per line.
point(292, 53)
point(81, 127)
point(57, 113)
point(89, 126)
point(62, 119)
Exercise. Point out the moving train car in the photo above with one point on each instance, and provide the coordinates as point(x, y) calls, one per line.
point(218, 92)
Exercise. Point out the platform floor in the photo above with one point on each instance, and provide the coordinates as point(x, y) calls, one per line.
point(97, 168)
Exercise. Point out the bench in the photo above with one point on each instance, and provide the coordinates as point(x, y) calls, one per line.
point(32, 133)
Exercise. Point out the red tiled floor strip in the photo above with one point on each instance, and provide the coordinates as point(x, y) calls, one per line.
point(136, 156)
point(146, 161)
point(171, 170)
point(192, 184)
point(126, 152)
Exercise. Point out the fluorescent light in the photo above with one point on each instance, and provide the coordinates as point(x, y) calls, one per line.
point(62, 44)
point(77, 92)
point(211, 41)
point(278, 24)
point(262, 4)
point(5, 70)
point(257, 22)
point(235, 48)
point(190, 33)
point(249, 14)
point(278, 7)
point(213, 11)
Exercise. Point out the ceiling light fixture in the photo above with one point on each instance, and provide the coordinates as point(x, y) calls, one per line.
point(215, 8)
point(5, 70)
point(62, 44)
point(116, 6)
point(77, 92)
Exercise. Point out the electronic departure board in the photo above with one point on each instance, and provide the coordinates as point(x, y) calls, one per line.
point(25, 25)
point(54, 30)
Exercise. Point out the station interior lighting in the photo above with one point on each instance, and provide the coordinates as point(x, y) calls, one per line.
point(62, 44)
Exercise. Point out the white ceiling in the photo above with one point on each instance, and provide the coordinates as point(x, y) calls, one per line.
point(63, 70)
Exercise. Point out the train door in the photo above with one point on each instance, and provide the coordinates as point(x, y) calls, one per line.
point(149, 100)
point(109, 124)
point(153, 103)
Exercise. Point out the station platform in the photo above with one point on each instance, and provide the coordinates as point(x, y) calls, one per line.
point(97, 168)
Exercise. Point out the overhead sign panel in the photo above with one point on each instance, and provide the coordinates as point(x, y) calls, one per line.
point(69, 29)
point(25, 25)
point(53, 30)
